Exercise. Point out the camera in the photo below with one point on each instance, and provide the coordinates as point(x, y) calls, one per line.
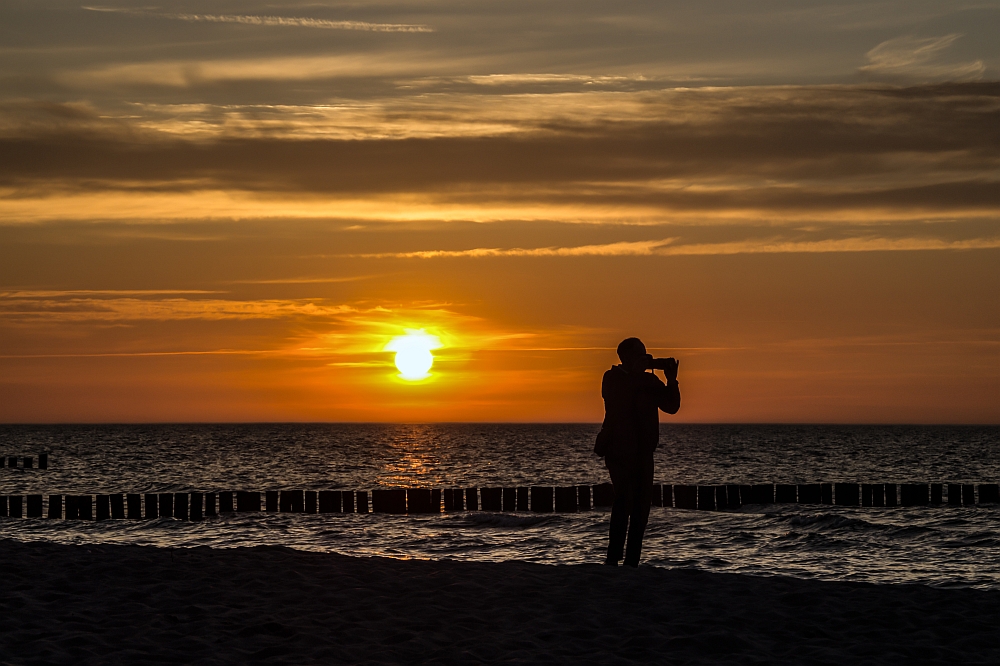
point(660, 363)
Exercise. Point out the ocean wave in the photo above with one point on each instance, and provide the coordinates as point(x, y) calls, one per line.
point(908, 531)
point(831, 521)
point(486, 519)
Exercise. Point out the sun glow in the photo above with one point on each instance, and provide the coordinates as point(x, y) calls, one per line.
point(413, 354)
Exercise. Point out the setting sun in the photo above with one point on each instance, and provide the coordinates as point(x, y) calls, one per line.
point(413, 354)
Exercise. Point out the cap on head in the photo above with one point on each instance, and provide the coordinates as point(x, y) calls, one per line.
point(630, 348)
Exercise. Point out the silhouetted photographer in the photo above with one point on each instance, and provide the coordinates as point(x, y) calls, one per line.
point(628, 437)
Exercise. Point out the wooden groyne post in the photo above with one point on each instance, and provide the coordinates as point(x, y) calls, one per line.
point(103, 507)
point(686, 497)
point(566, 500)
point(197, 506)
point(847, 494)
point(134, 503)
point(422, 500)
point(541, 499)
point(492, 499)
point(810, 493)
point(389, 500)
point(510, 499)
point(247, 501)
point(55, 506)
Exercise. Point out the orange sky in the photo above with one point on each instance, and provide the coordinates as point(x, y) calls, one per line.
point(227, 219)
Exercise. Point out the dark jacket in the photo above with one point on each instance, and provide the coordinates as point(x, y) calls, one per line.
point(631, 401)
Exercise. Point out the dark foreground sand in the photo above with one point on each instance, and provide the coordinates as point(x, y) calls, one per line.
point(136, 605)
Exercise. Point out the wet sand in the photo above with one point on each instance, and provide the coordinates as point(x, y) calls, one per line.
point(142, 605)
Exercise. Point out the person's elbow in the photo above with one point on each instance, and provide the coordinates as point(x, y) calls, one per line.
point(671, 407)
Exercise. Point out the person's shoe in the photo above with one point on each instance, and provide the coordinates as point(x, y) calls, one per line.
point(610, 562)
point(634, 565)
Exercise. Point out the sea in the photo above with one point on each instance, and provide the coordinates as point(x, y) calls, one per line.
point(943, 546)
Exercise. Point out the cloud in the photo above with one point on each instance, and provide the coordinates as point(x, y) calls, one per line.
point(519, 79)
point(637, 248)
point(207, 352)
point(184, 73)
point(64, 293)
point(668, 247)
point(272, 21)
point(918, 59)
point(69, 306)
point(305, 280)
point(325, 328)
point(905, 51)
point(27, 118)
point(853, 155)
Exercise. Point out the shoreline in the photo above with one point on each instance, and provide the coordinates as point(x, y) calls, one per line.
point(99, 604)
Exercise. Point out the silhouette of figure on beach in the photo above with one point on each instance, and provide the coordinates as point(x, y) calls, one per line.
point(628, 437)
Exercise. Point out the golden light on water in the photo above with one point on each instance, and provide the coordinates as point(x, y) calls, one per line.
point(413, 354)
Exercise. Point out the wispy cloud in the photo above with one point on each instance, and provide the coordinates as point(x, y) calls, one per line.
point(283, 21)
point(668, 247)
point(859, 244)
point(304, 280)
point(183, 73)
point(66, 293)
point(906, 51)
point(637, 248)
point(529, 78)
point(918, 58)
point(25, 307)
point(208, 352)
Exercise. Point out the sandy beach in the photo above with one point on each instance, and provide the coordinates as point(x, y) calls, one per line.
point(137, 605)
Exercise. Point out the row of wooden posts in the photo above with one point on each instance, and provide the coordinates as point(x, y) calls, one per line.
point(543, 499)
point(28, 462)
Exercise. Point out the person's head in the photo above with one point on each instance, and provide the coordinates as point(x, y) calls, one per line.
point(632, 353)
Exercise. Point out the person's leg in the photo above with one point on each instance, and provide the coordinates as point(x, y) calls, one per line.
point(642, 498)
point(619, 513)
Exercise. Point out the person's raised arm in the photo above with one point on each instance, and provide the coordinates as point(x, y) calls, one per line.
point(670, 398)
